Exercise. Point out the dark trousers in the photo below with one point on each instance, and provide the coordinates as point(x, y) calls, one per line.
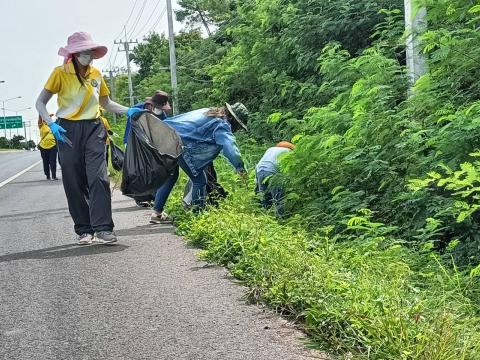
point(49, 157)
point(199, 185)
point(272, 195)
point(107, 155)
point(84, 175)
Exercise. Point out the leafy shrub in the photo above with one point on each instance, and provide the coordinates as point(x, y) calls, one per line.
point(360, 291)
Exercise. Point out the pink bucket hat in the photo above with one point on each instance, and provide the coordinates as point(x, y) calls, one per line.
point(82, 41)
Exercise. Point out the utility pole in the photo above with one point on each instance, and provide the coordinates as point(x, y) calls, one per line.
point(4, 119)
point(415, 24)
point(112, 88)
point(126, 48)
point(173, 58)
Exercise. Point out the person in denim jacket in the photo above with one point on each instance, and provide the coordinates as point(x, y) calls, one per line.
point(205, 133)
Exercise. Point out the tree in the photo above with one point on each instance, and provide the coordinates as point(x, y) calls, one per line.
point(4, 143)
point(205, 12)
point(150, 56)
point(16, 141)
point(195, 54)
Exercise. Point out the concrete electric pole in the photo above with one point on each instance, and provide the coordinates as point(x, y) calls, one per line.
point(173, 58)
point(126, 48)
point(416, 24)
point(112, 72)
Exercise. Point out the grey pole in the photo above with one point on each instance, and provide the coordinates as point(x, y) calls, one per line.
point(112, 89)
point(130, 84)
point(4, 119)
point(415, 24)
point(173, 58)
point(16, 114)
point(126, 45)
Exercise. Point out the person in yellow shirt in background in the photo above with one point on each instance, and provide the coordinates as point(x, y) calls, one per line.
point(48, 150)
point(81, 136)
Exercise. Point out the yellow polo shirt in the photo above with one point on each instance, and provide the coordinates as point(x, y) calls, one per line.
point(47, 140)
point(77, 102)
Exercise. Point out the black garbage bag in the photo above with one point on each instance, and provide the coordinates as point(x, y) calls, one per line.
point(215, 191)
point(117, 156)
point(151, 155)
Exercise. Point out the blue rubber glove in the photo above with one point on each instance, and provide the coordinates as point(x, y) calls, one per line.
point(57, 131)
point(131, 111)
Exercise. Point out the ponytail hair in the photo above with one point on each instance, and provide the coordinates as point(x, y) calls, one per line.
point(77, 71)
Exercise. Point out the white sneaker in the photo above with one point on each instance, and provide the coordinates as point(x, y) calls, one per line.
point(84, 239)
point(162, 218)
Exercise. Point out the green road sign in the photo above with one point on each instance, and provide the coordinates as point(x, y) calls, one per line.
point(11, 122)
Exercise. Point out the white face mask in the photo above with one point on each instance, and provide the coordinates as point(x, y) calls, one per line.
point(85, 59)
point(157, 111)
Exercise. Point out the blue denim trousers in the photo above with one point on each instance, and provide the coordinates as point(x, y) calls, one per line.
point(272, 195)
point(164, 191)
point(198, 191)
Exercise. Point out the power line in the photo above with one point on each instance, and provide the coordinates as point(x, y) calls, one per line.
point(180, 61)
point(121, 31)
point(137, 20)
point(126, 48)
point(148, 20)
point(126, 23)
point(162, 13)
point(191, 69)
point(114, 59)
point(198, 80)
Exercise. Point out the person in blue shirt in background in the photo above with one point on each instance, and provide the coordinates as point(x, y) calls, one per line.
point(204, 133)
point(159, 105)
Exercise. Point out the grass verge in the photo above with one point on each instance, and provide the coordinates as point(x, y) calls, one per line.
point(361, 293)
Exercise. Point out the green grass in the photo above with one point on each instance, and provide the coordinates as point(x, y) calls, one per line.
point(361, 292)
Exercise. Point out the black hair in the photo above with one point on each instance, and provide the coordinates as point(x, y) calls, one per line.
point(77, 71)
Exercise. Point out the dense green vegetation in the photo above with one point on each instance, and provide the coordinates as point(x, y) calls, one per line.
point(380, 253)
point(16, 142)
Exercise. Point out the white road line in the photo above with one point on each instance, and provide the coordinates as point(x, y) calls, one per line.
point(2, 184)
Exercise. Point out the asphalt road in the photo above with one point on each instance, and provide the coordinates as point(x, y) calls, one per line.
point(146, 298)
point(13, 162)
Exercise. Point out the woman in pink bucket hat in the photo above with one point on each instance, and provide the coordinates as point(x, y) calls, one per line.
point(81, 136)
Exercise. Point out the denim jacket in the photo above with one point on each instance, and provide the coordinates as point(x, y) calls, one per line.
point(204, 137)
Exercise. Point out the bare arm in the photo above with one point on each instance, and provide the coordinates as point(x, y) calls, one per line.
point(41, 105)
point(111, 106)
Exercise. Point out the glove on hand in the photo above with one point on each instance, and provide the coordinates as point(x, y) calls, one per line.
point(57, 131)
point(132, 111)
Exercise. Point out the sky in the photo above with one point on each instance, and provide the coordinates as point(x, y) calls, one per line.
point(32, 31)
